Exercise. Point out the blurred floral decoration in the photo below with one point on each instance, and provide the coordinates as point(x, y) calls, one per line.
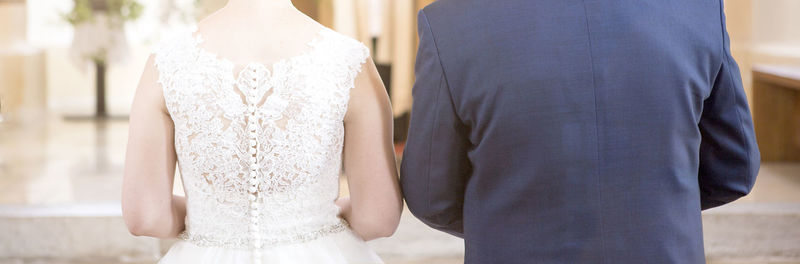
point(99, 28)
point(175, 13)
point(100, 36)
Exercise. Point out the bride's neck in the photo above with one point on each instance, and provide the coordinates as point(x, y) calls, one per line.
point(259, 5)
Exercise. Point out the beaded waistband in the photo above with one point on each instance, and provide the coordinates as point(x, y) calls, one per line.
point(247, 242)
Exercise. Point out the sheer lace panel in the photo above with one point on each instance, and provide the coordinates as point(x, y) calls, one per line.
point(259, 151)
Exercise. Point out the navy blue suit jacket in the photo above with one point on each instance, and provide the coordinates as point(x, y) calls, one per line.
point(571, 131)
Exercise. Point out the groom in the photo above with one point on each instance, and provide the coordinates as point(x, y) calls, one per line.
point(570, 131)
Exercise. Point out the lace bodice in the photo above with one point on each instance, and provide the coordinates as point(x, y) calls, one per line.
point(259, 152)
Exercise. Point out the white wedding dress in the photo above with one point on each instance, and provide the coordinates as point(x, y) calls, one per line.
point(260, 152)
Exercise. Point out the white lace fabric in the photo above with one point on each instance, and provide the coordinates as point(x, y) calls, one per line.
point(259, 152)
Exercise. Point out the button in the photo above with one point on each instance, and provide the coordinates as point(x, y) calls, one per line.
point(252, 151)
point(253, 181)
point(252, 197)
point(253, 189)
point(252, 143)
point(253, 167)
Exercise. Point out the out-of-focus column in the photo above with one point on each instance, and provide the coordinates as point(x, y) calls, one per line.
point(345, 19)
point(22, 92)
point(739, 14)
point(404, 53)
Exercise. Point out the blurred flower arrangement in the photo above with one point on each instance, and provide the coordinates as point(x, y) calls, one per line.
point(99, 37)
point(122, 10)
point(99, 28)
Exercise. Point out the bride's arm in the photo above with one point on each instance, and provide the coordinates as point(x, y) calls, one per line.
point(148, 206)
point(375, 202)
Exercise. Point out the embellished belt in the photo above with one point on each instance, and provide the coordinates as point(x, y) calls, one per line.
point(266, 241)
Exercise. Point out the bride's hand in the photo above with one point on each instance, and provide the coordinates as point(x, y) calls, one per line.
point(344, 207)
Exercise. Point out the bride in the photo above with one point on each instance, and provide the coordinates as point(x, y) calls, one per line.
point(261, 108)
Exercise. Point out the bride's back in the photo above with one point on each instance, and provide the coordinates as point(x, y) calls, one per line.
point(252, 106)
point(258, 104)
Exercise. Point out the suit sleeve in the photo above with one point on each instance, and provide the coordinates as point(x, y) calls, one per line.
point(729, 156)
point(435, 164)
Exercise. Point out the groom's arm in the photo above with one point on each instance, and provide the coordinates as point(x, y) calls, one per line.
point(729, 156)
point(435, 165)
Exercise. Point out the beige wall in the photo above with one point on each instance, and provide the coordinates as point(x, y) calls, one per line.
point(762, 31)
point(776, 21)
point(12, 23)
point(22, 87)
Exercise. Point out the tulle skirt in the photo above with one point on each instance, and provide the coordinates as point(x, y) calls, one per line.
point(342, 247)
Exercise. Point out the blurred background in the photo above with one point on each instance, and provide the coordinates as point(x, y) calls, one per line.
point(69, 68)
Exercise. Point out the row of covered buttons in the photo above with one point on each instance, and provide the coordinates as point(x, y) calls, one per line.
point(252, 125)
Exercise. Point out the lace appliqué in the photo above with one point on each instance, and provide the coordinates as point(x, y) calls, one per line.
point(259, 152)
